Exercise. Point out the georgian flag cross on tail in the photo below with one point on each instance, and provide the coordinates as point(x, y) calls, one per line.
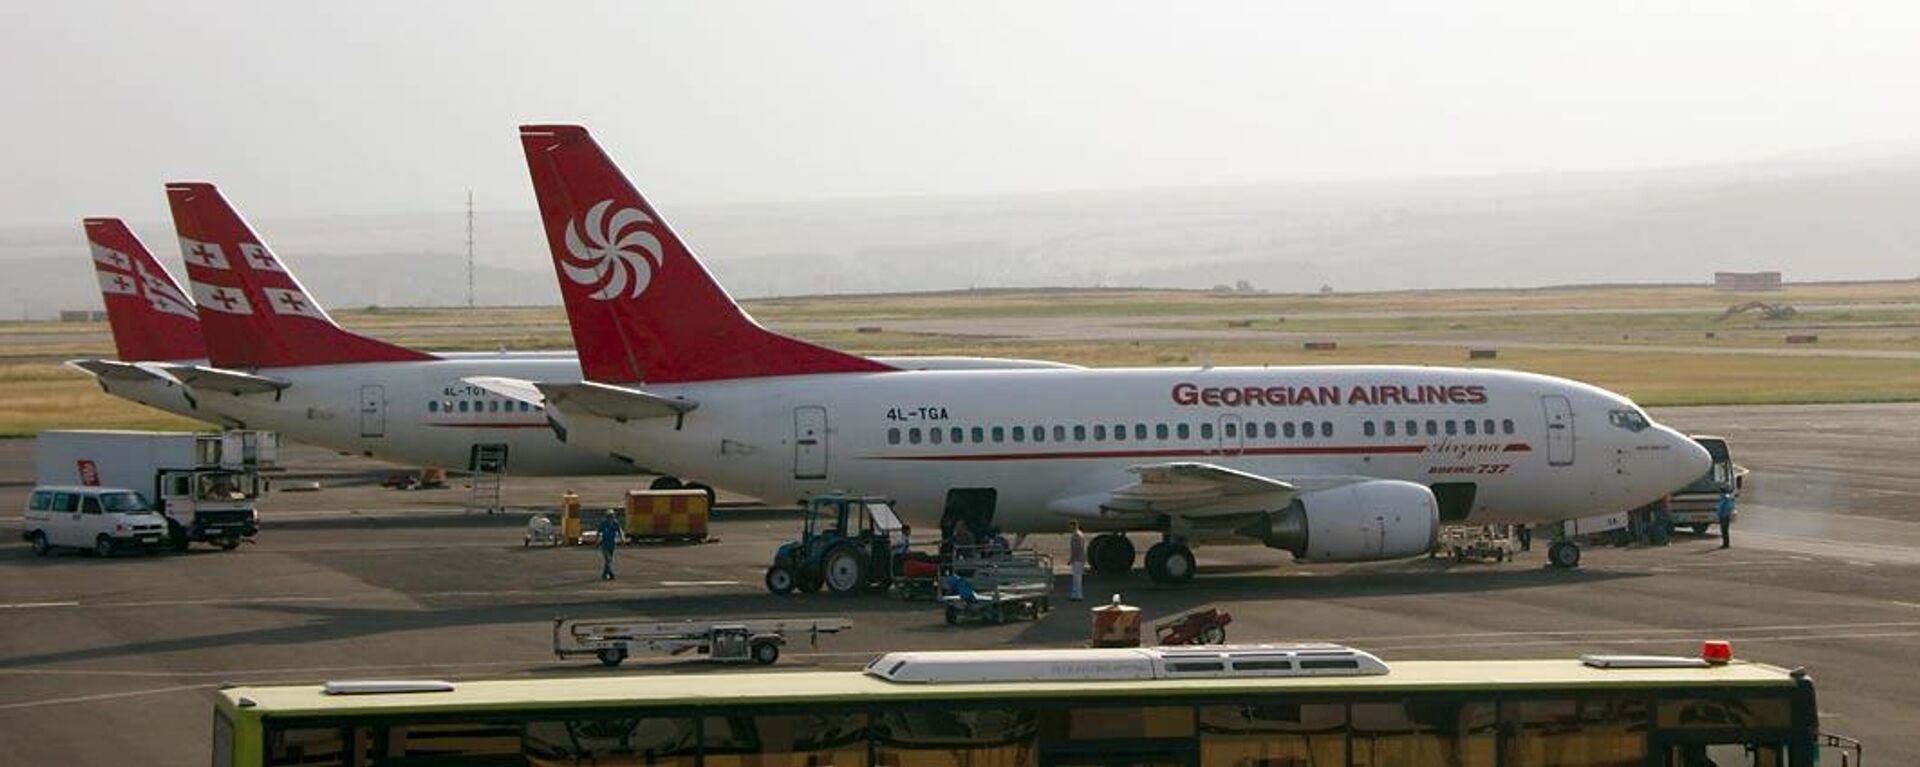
point(221, 299)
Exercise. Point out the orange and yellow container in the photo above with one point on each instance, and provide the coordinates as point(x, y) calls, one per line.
point(669, 515)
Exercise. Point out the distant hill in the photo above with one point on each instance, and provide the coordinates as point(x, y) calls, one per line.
point(1814, 219)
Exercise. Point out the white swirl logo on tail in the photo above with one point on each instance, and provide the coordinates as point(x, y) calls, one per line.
point(614, 255)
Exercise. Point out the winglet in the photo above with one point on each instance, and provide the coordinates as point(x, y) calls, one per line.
point(253, 310)
point(641, 305)
point(151, 317)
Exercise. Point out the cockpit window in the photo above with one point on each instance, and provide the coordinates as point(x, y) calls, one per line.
point(1631, 420)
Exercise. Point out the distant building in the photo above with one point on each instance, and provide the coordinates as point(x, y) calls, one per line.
point(1746, 281)
point(82, 315)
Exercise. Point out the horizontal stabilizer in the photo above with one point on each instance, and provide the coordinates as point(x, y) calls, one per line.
point(114, 370)
point(616, 402)
point(223, 380)
point(516, 389)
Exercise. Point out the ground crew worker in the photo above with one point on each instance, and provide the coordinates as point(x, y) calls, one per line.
point(1076, 558)
point(610, 534)
point(1724, 513)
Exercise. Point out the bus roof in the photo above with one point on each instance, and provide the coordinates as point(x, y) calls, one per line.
point(721, 688)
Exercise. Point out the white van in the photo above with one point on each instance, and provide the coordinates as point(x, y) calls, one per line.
point(103, 519)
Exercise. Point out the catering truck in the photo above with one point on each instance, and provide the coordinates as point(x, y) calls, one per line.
point(204, 484)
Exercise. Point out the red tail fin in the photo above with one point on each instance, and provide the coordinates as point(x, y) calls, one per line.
point(152, 319)
point(642, 307)
point(253, 311)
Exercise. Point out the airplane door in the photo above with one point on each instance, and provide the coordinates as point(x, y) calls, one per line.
point(1559, 430)
point(373, 410)
point(809, 442)
point(1233, 435)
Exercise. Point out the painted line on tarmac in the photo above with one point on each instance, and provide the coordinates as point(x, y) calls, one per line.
point(230, 601)
point(104, 696)
point(699, 583)
point(35, 605)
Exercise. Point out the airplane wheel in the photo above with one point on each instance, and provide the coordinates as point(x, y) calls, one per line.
point(1170, 563)
point(1564, 555)
point(666, 483)
point(1111, 554)
point(780, 580)
point(765, 653)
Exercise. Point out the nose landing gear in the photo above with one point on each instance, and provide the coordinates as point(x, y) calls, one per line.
point(1564, 555)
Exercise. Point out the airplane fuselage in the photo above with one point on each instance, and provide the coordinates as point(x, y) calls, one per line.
point(1050, 444)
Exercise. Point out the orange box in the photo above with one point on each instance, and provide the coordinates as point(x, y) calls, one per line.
point(679, 515)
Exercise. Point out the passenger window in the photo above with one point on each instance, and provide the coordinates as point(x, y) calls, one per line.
point(1119, 433)
point(1272, 429)
point(1039, 433)
point(1291, 429)
point(933, 435)
point(493, 406)
point(1229, 430)
point(433, 406)
point(979, 434)
point(1487, 425)
point(1366, 428)
point(1326, 428)
point(827, 738)
point(1140, 431)
point(1160, 431)
point(893, 436)
point(1413, 428)
point(1506, 425)
point(1434, 732)
point(1304, 734)
point(1602, 731)
point(1388, 427)
point(1183, 430)
point(945, 736)
point(1079, 433)
point(1468, 426)
point(913, 435)
point(999, 434)
point(1059, 433)
point(90, 505)
point(1100, 432)
point(463, 406)
point(1019, 433)
point(1433, 428)
point(1451, 427)
point(958, 435)
point(1306, 429)
point(1206, 431)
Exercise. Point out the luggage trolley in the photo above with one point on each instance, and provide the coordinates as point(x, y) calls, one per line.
point(998, 588)
point(757, 640)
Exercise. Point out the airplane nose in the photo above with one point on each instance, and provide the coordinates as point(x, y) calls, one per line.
point(1687, 460)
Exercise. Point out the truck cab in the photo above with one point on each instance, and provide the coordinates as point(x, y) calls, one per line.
point(203, 484)
point(213, 505)
point(100, 519)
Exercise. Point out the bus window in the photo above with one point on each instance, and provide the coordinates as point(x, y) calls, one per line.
point(1576, 732)
point(317, 745)
point(1309, 733)
point(1709, 713)
point(949, 737)
point(665, 741)
point(780, 740)
point(1115, 723)
point(1449, 732)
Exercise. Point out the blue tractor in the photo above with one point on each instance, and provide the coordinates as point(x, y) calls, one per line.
point(846, 545)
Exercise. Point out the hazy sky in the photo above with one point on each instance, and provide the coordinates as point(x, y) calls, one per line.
point(342, 107)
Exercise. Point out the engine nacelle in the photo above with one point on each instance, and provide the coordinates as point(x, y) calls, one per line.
point(1364, 521)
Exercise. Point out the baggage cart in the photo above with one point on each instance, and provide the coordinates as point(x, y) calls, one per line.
point(756, 640)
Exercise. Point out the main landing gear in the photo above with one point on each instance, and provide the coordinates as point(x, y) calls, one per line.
point(1110, 554)
point(1564, 555)
point(674, 483)
point(1170, 561)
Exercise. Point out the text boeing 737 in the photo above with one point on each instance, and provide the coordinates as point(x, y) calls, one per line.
point(1331, 463)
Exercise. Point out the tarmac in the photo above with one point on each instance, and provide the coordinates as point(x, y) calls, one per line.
point(109, 661)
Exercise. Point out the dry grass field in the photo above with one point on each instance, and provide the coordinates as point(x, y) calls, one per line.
point(1412, 327)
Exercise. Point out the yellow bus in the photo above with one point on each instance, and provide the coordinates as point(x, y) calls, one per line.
point(1233, 706)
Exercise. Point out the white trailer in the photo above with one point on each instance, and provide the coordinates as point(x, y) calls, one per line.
point(738, 641)
point(205, 484)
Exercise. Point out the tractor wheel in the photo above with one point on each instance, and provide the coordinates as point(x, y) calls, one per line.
point(780, 580)
point(845, 570)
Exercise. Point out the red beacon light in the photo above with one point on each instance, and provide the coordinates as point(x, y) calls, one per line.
point(1716, 651)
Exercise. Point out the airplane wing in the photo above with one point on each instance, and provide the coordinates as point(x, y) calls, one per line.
point(1197, 490)
point(616, 402)
point(223, 380)
point(115, 370)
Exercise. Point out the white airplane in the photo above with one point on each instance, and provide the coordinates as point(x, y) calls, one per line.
point(274, 359)
point(152, 320)
point(1330, 463)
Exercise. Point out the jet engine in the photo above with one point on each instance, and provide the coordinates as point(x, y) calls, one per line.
point(1363, 521)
